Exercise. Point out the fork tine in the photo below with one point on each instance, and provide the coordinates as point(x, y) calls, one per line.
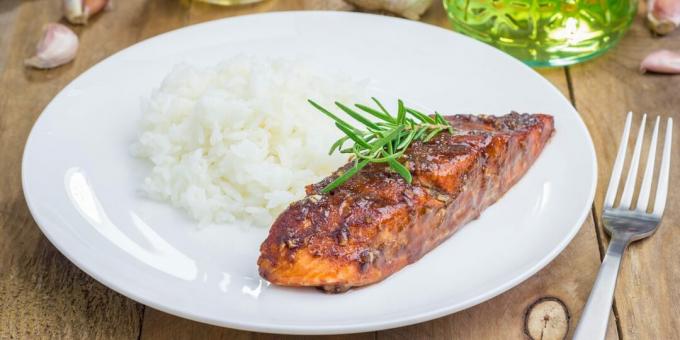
point(662, 186)
point(618, 164)
point(646, 186)
point(629, 188)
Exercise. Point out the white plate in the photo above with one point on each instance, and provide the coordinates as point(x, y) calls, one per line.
point(81, 183)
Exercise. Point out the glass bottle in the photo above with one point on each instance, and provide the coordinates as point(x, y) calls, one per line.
point(544, 32)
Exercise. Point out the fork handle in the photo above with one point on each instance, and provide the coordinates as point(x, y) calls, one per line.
point(595, 316)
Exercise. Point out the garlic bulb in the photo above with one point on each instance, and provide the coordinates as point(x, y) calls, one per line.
point(663, 16)
point(57, 46)
point(78, 11)
point(327, 5)
point(411, 9)
point(662, 61)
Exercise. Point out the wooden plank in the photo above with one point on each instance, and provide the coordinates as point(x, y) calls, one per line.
point(8, 14)
point(557, 77)
point(78, 306)
point(41, 293)
point(647, 299)
point(159, 325)
point(163, 16)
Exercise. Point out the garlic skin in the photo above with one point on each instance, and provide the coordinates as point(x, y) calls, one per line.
point(327, 5)
point(79, 11)
point(57, 47)
point(410, 9)
point(663, 16)
point(662, 61)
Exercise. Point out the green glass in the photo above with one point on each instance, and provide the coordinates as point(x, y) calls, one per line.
point(544, 32)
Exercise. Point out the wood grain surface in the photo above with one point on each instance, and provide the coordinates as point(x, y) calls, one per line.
point(42, 295)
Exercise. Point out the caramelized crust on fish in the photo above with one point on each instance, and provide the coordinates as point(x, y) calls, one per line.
point(375, 224)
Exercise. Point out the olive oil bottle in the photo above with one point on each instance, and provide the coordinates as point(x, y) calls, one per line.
point(544, 32)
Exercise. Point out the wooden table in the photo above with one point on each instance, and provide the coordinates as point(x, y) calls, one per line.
point(43, 295)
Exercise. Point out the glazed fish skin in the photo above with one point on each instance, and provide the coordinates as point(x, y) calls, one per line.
point(375, 224)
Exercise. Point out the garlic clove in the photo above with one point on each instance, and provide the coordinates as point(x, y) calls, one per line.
point(92, 7)
point(73, 10)
point(663, 16)
point(662, 61)
point(57, 46)
point(410, 9)
point(327, 5)
point(79, 11)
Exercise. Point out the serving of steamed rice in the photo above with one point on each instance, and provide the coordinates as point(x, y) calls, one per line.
point(238, 142)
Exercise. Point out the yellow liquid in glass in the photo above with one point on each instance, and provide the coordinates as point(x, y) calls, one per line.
point(544, 32)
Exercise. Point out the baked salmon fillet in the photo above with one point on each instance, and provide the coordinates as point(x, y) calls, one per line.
point(376, 223)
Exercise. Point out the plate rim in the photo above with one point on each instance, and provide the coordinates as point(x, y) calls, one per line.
point(313, 329)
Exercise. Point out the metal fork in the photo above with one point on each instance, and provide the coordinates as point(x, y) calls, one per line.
point(624, 223)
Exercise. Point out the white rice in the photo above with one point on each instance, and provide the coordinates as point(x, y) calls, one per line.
point(238, 141)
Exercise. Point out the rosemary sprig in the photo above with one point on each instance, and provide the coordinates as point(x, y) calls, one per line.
point(384, 141)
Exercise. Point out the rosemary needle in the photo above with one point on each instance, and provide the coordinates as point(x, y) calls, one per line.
point(384, 141)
